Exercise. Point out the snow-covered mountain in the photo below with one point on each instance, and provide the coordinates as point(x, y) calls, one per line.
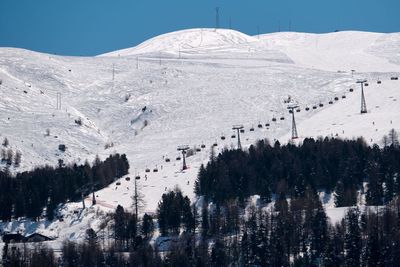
point(189, 88)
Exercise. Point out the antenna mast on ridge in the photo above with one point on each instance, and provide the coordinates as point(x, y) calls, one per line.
point(216, 18)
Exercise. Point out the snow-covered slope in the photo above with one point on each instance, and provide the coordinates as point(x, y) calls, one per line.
point(339, 51)
point(189, 88)
point(344, 120)
point(193, 39)
point(203, 45)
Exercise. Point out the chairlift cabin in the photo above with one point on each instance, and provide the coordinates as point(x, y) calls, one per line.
point(336, 98)
point(321, 105)
point(178, 158)
point(378, 82)
point(259, 125)
point(252, 129)
point(274, 119)
point(298, 110)
point(222, 137)
point(203, 146)
point(351, 89)
point(241, 130)
point(233, 136)
point(155, 170)
point(118, 183)
point(198, 149)
point(394, 78)
point(343, 96)
point(282, 118)
point(267, 124)
point(290, 111)
point(307, 108)
point(215, 144)
point(365, 84)
point(127, 178)
point(147, 170)
point(314, 107)
point(167, 160)
point(330, 102)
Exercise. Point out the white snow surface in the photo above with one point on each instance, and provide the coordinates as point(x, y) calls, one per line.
point(195, 84)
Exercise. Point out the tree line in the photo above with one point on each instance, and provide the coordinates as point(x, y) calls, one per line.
point(331, 165)
point(295, 232)
point(29, 193)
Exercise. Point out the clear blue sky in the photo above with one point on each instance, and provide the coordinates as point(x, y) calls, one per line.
point(91, 27)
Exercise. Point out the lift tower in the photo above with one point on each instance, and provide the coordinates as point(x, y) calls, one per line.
point(238, 128)
point(363, 104)
point(294, 128)
point(183, 148)
point(136, 197)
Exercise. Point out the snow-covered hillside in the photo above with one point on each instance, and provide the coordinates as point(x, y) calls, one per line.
point(339, 51)
point(194, 40)
point(189, 88)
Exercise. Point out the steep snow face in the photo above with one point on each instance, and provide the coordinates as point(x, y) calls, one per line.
point(340, 51)
point(175, 90)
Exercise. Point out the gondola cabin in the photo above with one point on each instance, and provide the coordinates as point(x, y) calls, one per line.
point(351, 89)
point(330, 102)
point(259, 125)
point(321, 105)
point(203, 146)
point(273, 119)
point(251, 129)
point(222, 137)
point(267, 125)
point(343, 96)
point(314, 107)
point(167, 160)
point(282, 118)
point(336, 98)
point(147, 170)
point(307, 108)
point(127, 178)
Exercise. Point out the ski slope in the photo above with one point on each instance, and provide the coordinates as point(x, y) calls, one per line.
point(188, 88)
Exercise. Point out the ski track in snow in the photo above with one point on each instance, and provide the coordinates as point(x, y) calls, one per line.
point(195, 85)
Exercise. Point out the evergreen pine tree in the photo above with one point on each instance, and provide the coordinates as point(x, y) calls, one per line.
point(147, 225)
point(352, 240)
